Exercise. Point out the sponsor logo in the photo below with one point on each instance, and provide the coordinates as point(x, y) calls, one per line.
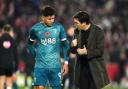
point(48, 41)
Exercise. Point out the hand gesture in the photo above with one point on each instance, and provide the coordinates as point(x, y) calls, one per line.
point(74, 43)
point(82, 51)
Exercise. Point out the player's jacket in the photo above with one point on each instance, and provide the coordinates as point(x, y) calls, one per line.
point(47, 49)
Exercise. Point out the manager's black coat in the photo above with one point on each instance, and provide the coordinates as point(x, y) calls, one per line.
point(95, 48)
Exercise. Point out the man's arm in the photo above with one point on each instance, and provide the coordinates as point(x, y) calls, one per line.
point(31, 40)
point(73, 47)
point(65, 45)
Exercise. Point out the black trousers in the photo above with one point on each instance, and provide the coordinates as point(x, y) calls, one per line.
point(85, 79)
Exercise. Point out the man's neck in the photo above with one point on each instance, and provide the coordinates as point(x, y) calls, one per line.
point(87, 26)
point(45, 24)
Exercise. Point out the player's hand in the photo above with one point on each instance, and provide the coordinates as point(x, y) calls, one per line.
point(74, 43)
point(82, 51)
point(62, 61)
point(14, 77)
point(65, 69)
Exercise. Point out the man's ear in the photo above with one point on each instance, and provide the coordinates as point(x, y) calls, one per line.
point(42, 17)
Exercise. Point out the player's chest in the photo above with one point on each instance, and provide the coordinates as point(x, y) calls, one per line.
point(47, 33)
point(48, 36)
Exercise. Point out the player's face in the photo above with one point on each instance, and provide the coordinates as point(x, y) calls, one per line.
point(48, 20)
point(78, 24)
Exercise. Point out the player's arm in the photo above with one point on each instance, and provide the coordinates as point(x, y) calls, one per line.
point(65, 45)
point(31, 40)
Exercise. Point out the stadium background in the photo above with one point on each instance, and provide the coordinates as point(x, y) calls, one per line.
point(111, 15)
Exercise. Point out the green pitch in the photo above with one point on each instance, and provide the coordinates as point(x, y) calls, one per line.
point(21, 79)
point(104, 88)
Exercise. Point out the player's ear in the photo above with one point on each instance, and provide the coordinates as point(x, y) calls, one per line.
point(42, 17)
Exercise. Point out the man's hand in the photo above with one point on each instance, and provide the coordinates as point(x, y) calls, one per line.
point(72, 56)
point(74, 43)
point(62, 61)
point(65, 69)
point(82, 51)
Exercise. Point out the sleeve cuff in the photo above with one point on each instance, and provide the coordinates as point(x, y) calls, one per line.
point(63, 39)
point(66, 62)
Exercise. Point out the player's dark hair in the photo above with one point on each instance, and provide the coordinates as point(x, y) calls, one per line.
point(48, 11)
point(82, 17)
point(7, 28)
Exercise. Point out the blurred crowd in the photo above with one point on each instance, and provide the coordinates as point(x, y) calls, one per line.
point(110, 15)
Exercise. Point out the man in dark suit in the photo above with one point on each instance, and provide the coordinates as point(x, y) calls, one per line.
point(88, 45)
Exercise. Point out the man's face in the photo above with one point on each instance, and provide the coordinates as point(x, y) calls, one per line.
point(78, 24)
point(48, 20)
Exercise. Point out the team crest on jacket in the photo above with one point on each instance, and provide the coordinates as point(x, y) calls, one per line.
point(46, 41)
point(47, 34)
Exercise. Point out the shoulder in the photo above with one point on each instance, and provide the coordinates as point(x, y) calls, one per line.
point(58, 24)
point(6, 36)
point(35, 26)
point(97, 28)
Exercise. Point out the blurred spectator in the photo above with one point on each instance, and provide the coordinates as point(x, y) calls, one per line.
point(8, 57)
point(122, 66)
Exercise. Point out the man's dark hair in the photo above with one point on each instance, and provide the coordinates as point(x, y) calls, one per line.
point(48, 11)
point(7, 28)
point(82, 17)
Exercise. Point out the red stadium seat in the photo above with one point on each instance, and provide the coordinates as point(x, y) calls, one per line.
point(112, 70)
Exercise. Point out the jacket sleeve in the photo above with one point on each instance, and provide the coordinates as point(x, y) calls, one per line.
point(65, 44)
point(30, 42)
point(98, 51)
point(74, 49)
